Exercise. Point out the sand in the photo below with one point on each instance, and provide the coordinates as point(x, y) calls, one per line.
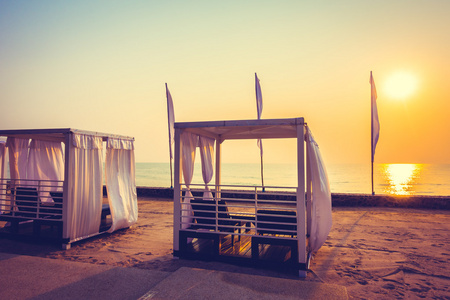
point(376, 253)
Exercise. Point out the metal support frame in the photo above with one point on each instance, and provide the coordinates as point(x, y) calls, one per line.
point(301, 205)
point(177, 192)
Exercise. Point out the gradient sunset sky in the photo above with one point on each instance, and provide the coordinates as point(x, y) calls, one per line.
point(102, 66)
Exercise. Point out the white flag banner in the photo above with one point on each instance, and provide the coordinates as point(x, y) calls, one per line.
point(259, 106)
point(375, 121)
point(171, 119)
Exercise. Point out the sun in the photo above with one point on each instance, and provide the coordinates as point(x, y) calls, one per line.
point(401, 85)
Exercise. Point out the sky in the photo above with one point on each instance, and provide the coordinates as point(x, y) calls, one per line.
point(103, 65)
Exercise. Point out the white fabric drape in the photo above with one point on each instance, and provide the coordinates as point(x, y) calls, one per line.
point(321, 219)
point(45, 162)
point(4, 205)
point(121, 183)
point(86, 186)
point(189, 143)
point(18, 157)
point(207, 155)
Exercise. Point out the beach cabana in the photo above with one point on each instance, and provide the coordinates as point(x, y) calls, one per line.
point(280, 227)
point(56, 179)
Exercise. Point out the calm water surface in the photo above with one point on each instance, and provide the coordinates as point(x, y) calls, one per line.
point(396, 179)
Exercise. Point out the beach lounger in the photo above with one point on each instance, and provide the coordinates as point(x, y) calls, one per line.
point(58, 199)
point(276, 222)
point(52, 210)
point(26, 202)
point(205, 217)
point(27, 208)
point(279, 223)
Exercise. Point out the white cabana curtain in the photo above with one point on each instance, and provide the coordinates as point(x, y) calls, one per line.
point(207, 155)
point(4, 205)
point(321, 219)
point(85, 186)
point(121, 183)
point(18, 158)
point(45, 162)
point(189, 143)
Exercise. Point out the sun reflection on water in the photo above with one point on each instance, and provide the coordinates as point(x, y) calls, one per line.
point(400, 179)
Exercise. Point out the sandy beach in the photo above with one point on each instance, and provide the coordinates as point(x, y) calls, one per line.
point(376, 253)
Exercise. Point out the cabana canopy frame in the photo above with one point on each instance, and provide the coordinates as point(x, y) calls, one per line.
point(56, 134)
point(244, 129)
point(66, 136)
point(221, 131)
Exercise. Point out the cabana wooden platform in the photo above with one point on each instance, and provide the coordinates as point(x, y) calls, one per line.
point(253, 229)
point(56, 193)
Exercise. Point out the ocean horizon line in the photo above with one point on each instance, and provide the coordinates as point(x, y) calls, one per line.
point(333, 163)
point(395, 179)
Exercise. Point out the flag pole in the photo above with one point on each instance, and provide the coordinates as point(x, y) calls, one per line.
point(171, 177)
point(262, 172)
point(371, 132)
point(170, 139)
point(371, 157)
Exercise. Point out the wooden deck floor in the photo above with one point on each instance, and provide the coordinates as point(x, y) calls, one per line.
point(241, 248)
point(45, 232)
point(26, 230)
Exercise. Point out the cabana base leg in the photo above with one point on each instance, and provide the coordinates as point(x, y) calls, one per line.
point(65, 246)
point(302, 274)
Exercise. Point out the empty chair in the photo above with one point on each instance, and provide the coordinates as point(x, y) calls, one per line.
point(276, 222)
point(26, 202)
point(205, 216)
point(54, 210)
point(58, 204)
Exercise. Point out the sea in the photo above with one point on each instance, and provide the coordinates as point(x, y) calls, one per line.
point(389, 179)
